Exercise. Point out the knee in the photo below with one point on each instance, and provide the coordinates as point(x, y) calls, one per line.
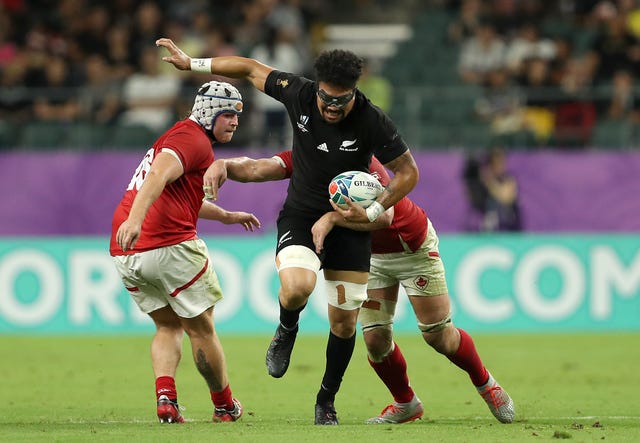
point(445, 341)
point(343, 323)
point(378, 342)
point(169, 328)
point(293, 294)
point(199, 327)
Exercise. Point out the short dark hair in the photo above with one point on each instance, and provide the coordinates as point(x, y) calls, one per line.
point(339, 68)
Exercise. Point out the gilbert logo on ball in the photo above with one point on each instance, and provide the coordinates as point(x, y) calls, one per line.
point(359, 186)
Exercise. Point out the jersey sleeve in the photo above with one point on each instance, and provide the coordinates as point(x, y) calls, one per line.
point(284, 86)
point(285, 158)
point(378, 171)
point(193, 149)
point(393, 145)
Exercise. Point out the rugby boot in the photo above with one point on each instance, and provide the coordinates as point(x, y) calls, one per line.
point(169, 411)
point(499, 402)
point(279, 352)
point(397, 413)
point(326, 414)
point(226, 415)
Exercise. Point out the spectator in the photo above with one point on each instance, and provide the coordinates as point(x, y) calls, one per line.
point(147, 26)
point(119, 54)
point(96, 26)
point(492, 194)
point(8, 48)
point(528, 45)
point(272, 125)
point(502, 212)
point(58, 100)
point(624, 104)
point(101, 95)
point(501, 104)
point(376, 87)
point(481, 54)
point(540, 100)
point(465, 24)
point(614, 49)
point(149, 96)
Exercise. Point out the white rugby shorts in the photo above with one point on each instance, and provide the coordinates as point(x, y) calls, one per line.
point(181, 276)
point(421, 273)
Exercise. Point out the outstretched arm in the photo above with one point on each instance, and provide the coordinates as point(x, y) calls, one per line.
point(229, 66)
point(245, 169)
point(242, 169)
point(211, 211)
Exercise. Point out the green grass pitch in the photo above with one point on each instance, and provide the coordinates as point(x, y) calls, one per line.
point(582, 387)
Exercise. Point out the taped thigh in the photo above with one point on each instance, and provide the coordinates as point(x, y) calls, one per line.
point(377, 314)
point(297, 256)
point(345, 295)
point(435, 327)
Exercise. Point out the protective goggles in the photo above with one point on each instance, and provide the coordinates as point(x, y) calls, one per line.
point(339, 102)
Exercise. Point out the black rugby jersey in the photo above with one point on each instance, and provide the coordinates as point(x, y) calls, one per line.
point(323, 150)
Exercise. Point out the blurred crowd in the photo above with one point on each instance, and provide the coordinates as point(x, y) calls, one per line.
point(96, 61)
point(546, 69)
point(550, 69)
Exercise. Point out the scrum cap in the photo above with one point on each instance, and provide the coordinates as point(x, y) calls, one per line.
point(214, 98)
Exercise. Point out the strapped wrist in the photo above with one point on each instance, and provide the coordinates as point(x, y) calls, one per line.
point(201, 65)
point(374, 211)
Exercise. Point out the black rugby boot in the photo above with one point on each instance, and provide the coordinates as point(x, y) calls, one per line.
point(326, 414)
point(279, 352)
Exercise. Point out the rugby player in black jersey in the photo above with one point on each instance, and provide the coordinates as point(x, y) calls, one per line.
point(335, 129)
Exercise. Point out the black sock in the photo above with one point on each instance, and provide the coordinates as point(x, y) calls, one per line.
point(289, 319)
point(339, 351)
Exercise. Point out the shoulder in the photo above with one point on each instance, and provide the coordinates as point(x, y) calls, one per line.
point(280, 84)
point(372, 116)
point(190, 142)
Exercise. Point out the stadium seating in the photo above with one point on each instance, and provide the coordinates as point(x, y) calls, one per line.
point(127, 137)
point(42, 135)
point(86, 136)
point(7, 134)
point(612, 134)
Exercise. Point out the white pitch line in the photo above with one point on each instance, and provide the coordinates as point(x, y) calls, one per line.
point(433, 420)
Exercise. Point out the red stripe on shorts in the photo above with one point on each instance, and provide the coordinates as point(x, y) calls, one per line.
point(192, 281)
point(434, 254)
point(133, 289)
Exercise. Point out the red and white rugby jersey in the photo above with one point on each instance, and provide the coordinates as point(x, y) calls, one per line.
point(172, 218)
point(409, 220)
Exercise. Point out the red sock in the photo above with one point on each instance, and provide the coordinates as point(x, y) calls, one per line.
point(166, 385)
point(223, 399)
point(467, 359)
point(393, 372)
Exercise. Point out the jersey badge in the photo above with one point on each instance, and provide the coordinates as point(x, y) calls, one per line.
point(346, 145)
point(322, 147)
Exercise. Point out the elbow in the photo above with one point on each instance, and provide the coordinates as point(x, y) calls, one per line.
point(386, 218)
point(385, 221)
point(412, 177)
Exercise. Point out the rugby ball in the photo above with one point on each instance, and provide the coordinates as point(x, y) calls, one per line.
point(361, 187)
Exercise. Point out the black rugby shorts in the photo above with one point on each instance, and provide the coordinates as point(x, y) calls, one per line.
point(344, 249)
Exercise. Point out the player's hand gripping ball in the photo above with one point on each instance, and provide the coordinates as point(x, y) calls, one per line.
point(361, 187)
